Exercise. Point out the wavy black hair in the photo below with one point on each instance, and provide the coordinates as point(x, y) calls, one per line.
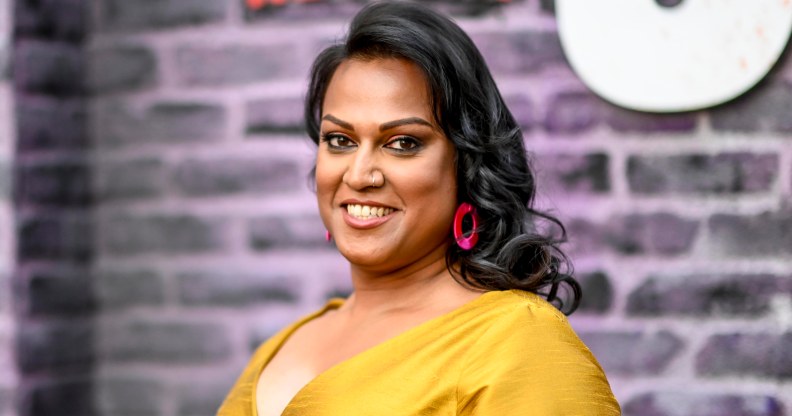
point(493, 173)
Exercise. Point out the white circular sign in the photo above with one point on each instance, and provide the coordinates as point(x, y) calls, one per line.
point(641, 55)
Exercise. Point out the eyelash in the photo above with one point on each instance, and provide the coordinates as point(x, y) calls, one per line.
point(330, 137)
point(406, 139)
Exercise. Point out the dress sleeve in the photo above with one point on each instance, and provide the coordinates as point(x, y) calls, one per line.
point(531, 362)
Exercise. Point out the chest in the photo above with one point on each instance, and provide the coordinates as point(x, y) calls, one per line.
point(365, 385)
point(308, 353)
point(340, 366)
point(279, 383)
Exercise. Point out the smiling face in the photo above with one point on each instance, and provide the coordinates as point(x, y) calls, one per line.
point(377, 120)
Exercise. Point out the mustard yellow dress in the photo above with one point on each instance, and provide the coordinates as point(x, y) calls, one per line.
point(504, 353)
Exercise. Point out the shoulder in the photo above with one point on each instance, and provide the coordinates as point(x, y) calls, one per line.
point(517, 300)
point(519, 313)
point(529, 355)
point(519, 321)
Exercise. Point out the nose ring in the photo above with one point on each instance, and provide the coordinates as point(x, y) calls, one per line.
point(374, 183)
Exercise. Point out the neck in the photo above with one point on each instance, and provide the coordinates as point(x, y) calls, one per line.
point(422, 285)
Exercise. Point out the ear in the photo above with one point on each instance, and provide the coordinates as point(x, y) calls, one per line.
point(695, 54)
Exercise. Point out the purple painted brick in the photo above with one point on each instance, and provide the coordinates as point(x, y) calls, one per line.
point(129, 396)
point(516, 53)
point(236, 288)
point(46, 123)
point(597, 293)
point(701, 173)
point(121, 67)
point(118, 289)
point(129, 179)
point(584, 236)
point(575, 112)
point(702, 404)
point(45, 345)
point(124, 234)
point(52, 68)
point(474, 8)
point(765, 108)
point(6, 176)
point(522, 108)
point(5, 304)
point(574, 173)
point(56, 236)
point(345, 9)
point(766, 234)
point(634, 234)
point(234, 175)
point(703, 295)
point(59, 291)
point(311, 10)
point(658, 233)
point(118, 124)
point(202, 397)
point(124, 15)
point(625, 120)
point(633, 353)
point(547, 6)
point(7, 399)
point(53, 19)
point(71, 394)
point(236, 64)
point(287, 232)
point(764, 355)
point(163, 341)
point(275, 115)
point(55, 182)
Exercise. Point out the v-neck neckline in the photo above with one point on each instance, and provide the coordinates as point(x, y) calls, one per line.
point(334, 304)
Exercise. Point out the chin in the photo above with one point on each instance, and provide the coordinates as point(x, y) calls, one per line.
point(363, 257)
point(369, 255)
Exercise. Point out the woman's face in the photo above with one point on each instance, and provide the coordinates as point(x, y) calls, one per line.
point(377, 120)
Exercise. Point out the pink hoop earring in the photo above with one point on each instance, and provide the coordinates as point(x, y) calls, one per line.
point(328, 236)
point(465, 243)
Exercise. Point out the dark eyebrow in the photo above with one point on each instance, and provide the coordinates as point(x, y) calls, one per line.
point(384, 126)
point(336, 120)
point(409, 120)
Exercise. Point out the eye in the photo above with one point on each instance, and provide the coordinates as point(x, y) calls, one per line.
point(404, 144)
point(338, 141)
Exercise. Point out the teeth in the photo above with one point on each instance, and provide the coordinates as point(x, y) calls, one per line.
point(365, 211)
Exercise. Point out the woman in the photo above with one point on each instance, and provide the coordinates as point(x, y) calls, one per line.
point(423, 183)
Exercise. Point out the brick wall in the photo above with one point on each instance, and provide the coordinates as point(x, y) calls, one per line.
point(8, 376)
point(53, 208)
point(190, 208)
point(205, 218)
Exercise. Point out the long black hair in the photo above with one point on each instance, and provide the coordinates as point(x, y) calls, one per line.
point(493, 174)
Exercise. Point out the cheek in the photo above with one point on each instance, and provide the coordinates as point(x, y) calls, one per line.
point(327, 180)
point(434, 184)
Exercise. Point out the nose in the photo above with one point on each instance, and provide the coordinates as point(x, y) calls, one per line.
point(361, 167)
